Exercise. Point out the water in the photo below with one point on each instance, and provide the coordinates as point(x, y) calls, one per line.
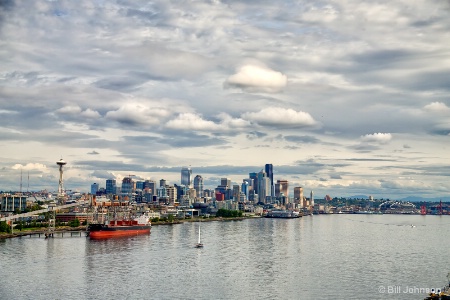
point(326, 256)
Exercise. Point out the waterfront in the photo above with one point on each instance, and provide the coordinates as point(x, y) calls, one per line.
point(326, 256)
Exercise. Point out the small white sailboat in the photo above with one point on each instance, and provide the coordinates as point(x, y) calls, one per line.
point(199, 243)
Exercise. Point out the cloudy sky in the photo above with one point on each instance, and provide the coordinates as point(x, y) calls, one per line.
point(343, 97)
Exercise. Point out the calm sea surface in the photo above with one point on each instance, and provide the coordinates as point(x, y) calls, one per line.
point(325, 256)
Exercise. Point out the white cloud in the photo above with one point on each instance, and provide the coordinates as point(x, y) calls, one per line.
point(254, 78)
point(190, 121)
point(380, 138)
point(69, 110)
point(30, 166)
point(437, 107)
point(91, 114)
point(134, 114)
point(233, 123)
point(280, 116)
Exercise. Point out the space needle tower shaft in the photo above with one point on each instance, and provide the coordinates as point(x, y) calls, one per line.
point(61, 163)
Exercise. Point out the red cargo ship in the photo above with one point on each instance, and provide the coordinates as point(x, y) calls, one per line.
point(120, 228)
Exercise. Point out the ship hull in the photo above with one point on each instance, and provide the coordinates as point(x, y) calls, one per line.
point(104, 232)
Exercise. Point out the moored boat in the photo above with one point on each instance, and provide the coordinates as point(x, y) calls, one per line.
point(120, 228)
point(283, 214)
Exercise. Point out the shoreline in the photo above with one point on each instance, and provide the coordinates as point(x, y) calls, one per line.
point(83, 228)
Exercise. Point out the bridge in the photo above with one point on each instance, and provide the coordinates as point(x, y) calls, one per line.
point(40, 211)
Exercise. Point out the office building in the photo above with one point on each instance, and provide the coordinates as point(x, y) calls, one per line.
point(298, 195)
point(254, 181)
point(127, 187)
point(186, 176)
point(282, 188)
point(94, 188)
point(269, 171)
point(225, 182)
point(198, 185)
point(264, 187)
point(110, 186)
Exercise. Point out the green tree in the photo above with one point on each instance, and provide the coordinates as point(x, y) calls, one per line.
point(19, 225)
point(170, 218)
point(3, 226)
point(74, 223)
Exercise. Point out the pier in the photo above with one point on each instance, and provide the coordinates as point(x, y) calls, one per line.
point(46, 234)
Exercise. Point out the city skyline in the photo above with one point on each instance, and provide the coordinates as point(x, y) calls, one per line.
point(342, 97)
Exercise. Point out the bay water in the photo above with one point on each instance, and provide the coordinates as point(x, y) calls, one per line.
point(321, 256)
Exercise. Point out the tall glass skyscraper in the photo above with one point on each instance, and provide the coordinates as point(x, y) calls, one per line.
point(254, 177)
point(110, 186)
point(264, 188)
point(186, 176)
point(94, 188)
point(269, 172)
point(198, 185)
point(127, 186)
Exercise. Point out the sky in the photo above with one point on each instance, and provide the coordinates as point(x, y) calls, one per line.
point(343, 97)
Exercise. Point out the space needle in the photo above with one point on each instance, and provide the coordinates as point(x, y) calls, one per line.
point(61, 163)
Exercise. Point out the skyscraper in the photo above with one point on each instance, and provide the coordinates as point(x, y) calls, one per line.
point(127, 187)
point(254, 177)
point(186, 176)
point(225, 182)
point(94, 188)
point(311, 200)
point(269, 172)
point(264, 188)
point(282, 187)
point(110, 186)
point(236, 192)
point(151, 185)
point(245, 188)
point(198, 185)
point(162, 183)
point(298, 195)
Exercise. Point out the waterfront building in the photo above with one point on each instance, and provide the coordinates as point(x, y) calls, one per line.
point(11, 203)
point(198, 185)
point(186, 176)
point(311, 199)
point(282, 187)
point(94, 188)
point(269, 171)
point(110, 186)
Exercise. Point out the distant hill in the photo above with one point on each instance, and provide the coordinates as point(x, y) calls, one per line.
point(409, 198)
point(421, 199)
